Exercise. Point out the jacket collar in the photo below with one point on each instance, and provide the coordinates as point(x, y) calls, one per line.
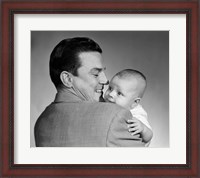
point(68, 95)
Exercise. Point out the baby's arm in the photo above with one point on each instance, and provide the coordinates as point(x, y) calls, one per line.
point(137, 127)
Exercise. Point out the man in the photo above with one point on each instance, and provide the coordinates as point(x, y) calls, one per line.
point(76, 117)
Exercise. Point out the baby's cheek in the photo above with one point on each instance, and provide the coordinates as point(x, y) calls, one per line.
point(107, 93)
point(118, 102)
point(106, 97)
point(122, 103)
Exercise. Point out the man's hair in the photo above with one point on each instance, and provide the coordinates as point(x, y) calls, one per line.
point(65, 56)
point(130, 74)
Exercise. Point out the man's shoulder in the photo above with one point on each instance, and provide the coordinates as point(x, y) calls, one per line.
point(91, 105)
point(108, 106)
point(99, 109)
point(111, 110)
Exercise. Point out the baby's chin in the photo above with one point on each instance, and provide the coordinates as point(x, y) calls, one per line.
point(108, 101)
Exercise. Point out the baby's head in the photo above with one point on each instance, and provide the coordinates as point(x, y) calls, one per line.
point(126, 88)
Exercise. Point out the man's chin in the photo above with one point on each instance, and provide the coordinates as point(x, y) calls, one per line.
point(101, 99)
point(98, 97)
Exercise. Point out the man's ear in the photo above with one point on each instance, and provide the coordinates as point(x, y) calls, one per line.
point(66, 79)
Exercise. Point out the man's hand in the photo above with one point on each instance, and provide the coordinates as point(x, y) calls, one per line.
point(135, 126)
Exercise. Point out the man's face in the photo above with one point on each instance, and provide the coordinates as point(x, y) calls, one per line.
point(122, 92)
point(91, 77)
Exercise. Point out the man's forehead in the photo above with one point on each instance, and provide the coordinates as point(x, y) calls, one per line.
point(89, 55)
point(91, 60)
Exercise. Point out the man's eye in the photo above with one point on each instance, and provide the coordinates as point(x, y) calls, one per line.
point(95, 75)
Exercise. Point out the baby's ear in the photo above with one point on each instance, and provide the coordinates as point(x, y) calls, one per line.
point(137, 100)
point(135, 103)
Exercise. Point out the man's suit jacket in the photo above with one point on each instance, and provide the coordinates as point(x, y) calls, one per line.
point(71, 121)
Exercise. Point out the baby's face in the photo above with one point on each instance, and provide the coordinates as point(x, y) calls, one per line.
point(122, 92)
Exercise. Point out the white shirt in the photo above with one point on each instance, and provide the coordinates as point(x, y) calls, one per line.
point(139, 113)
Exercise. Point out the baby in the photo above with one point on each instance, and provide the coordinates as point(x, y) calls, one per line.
point(126, 89)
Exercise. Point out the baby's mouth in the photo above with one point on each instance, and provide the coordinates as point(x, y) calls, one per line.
point(108, 100)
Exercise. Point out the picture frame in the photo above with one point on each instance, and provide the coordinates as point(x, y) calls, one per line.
point(10, 8)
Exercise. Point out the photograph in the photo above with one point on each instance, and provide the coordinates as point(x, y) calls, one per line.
point(99, 89)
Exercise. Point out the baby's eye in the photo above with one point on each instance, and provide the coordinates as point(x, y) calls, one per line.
point(110, 88)
point(119, 93)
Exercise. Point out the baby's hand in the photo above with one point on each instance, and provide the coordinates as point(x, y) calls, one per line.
point(135, 126)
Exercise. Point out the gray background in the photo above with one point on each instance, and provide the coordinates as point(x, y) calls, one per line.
point(146, 51)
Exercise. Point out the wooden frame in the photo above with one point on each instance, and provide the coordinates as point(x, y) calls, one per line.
point(10, 8)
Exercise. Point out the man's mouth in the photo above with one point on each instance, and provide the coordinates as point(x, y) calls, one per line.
point(99, 91)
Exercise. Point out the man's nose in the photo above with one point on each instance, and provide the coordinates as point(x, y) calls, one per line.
point(103, 79)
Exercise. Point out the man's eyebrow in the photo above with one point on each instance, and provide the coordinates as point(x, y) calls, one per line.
point(97, 69)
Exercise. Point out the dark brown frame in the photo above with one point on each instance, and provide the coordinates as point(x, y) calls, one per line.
point(10, 8)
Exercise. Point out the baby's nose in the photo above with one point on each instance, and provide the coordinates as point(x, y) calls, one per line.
point(112, 94)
